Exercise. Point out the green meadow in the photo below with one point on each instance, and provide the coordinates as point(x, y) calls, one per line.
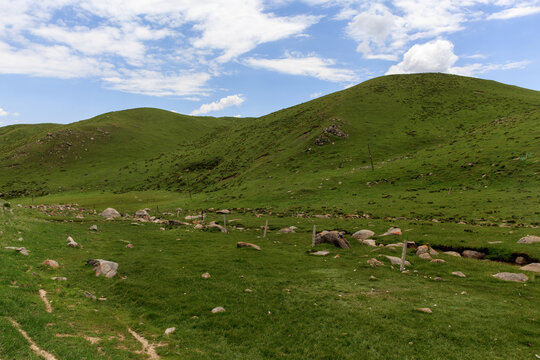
point(452, 161)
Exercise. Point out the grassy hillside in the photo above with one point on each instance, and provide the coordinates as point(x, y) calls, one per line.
point(442, 145)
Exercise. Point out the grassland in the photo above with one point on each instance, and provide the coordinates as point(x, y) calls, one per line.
point(455, 167)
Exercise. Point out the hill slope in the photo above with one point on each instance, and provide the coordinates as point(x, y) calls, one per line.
point(443, 146)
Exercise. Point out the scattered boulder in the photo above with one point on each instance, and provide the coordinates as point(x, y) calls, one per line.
point(459, 273)
point(392, 231)
point(129, 246)
point(506, 276)
point(213, 225)
point(529, 239)
point(425, 310)
point(241, 244)
point(320, 253)
point(103, 267)
point(170, 330)
point(425, 256)
point(472, 254)
point(89, 295)
point(93, 228)
point(223, 212)
point(176, 222)
point(440, 261)
point(287, 230)
point(51, 263)
point(332, 237)
point(206, 275)
point(198, 227)
point(422, 249)
point(193, 217)
point(534, 267)
point(374, 262)
point(363, 234)
point(218, 309)
point(452, 253)
point(142, 214)
point(520, 260)
point(20, 250)
point(433, 252)
point(110, 213)
point(395, 260)
point(71, 242)
point(369, 242)
point(59, 278)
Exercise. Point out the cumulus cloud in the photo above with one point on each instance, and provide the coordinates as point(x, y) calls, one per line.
point(517, 11)
point(438, 56)
point(231, 100)
point(313, 66)
point(3, 112)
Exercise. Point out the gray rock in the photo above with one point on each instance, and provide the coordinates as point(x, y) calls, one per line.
point(20, 250)
point(472, 254)
point(459, 273)
point(71, 242)
point(392, 231)
point(51, 263)
point(216, 226)
point(93, 228)
point(369, 242)
point(529, 239)
point(374, 262)
point(242, 244)
point(363, 234)
point(320, 253)
point(103, 267)
point(59, 278)
point(534, 267)
point(425, 310)
point(142, 214)
point(425, 256)
point(440, 261)
point(287, 230)
point(506, 276)
point(223, 212)
point(452, 253)
point(218, 309)
point(433, 252)
point(110, 213)
point(332, 237)
point(520, 260)
point(422, 249)
point(395, 260)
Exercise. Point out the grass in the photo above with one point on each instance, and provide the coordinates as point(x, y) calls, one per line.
point(455, 166)
point(301, 306)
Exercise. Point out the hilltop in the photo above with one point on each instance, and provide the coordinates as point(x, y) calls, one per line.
point(439, 143)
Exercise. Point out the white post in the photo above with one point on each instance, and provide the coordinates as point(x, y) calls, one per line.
point(314, 235)
point(403, 254)
point(265, 227)
point(225, 222)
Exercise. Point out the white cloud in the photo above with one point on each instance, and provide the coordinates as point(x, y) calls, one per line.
point(3, 112)
point(154, 83)
point(518, 11)
point(434, 56)
point(306, 66)
point(439, 56)
point(231, 100)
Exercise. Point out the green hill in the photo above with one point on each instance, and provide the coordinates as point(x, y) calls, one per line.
point(442, 146)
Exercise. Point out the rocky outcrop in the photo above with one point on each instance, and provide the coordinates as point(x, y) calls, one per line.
point(507, 276)
point(110, 213)
point(332, 237)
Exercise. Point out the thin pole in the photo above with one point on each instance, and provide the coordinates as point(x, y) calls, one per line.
point(265, 227)
point(225, 222)
point(403, 254)
point(314, 235)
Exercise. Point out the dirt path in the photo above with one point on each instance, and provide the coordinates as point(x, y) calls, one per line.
point(148, 348)
point(33, 345)
point(43, 296)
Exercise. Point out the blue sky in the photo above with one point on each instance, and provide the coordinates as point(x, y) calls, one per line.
point(66, 60)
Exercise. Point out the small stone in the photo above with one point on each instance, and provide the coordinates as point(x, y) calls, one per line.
point(363, 234)
point(472, 254)
point(198, 227)
point(20, 239)
point(459, 273)
point(520, 260)
point(529, 239)
point(495, 242)
point(438, 279)
point(218, 309)
point(425, 256)
point(392, 231)
point(89, 295)
point(336, 256)
point(320, 253)
point(425, 310)
point(372, 277)
point(206, 275)
point(506, 276)
point(241, 244)
point(129, 246)
point(110, 213)
point(452, 253)
point(422, 249)
point(374, 262)
point(93, 228)
point(433, 252)
point(464, 293)
point(534, 267)
point(248, 290)
point(103, 267)
point(71, 242)
point(170, 330)
point(59, 278)
point(440, 261)
point(369, 242)
point(395, 260)
point(51, 263)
